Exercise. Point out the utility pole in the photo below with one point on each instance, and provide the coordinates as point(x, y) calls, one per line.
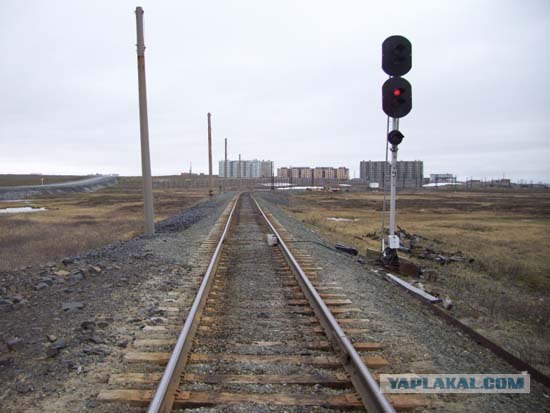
point(144, 128)
point(272, 176)
point(239, 171)
point(225, 164)
point(210, 189)
point(225, 182)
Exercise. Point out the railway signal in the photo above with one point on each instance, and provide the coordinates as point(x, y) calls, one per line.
point(395, 137)
point(396, 103)
point(396, 62)
point(396, 97)
point(396, 56)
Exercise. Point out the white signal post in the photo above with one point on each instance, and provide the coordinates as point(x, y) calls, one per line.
point(144, 128)
point(393, 240)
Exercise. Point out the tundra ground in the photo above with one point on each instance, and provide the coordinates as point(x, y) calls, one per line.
point(77, 222)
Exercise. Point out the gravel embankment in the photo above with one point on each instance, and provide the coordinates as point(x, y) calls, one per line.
point(64, 326)
point(416, 340)
point(83, 185)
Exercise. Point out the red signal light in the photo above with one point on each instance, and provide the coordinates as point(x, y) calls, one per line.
point(397, 92)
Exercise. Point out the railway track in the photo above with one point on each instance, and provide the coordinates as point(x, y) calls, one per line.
point(261, 333)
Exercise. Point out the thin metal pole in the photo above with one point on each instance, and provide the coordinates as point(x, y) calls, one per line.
point(382, 239)
point(144, 128)
point(210, 189)
point(395, 126)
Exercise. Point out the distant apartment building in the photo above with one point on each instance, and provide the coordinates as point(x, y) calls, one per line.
point(320, 173)
point(342, 173)
point(324, 173)
point(294, 172)
point(410, 174)
point(246, 169)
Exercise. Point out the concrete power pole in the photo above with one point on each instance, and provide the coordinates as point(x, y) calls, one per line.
point(225, 164)
point(225, 167)
point(210, 188)
point(144, 128)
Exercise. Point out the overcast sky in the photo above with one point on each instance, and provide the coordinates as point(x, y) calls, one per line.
point(297, 82)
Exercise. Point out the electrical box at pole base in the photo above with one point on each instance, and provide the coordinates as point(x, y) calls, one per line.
point(393, 241)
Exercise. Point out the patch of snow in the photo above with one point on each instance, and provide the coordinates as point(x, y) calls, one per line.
point(20, 209)
point(302, 187)
point(278, 184)
point(441, 184)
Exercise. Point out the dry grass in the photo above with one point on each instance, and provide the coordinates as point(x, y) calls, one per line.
point(503, 292)
point(78, 222)
point(499, 232)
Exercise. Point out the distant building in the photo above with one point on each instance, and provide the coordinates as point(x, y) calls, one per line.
point(442, 178)
point(294, 172)
point(319, 173)
point(266, 169)
point(246, 169)
point(477, 183)
point(323, 172)
point(410, 174)
point(501, 182)
point(342, 173)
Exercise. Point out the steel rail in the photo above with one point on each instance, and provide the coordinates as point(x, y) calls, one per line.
point(163, 399)
point(365, 384)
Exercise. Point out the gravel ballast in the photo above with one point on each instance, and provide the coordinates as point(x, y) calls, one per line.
point(252, 304)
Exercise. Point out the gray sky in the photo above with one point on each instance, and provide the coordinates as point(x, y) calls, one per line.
point(298, 82)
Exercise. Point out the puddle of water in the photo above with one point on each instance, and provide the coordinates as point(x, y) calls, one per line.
point(342, 219)
point(20, 209)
